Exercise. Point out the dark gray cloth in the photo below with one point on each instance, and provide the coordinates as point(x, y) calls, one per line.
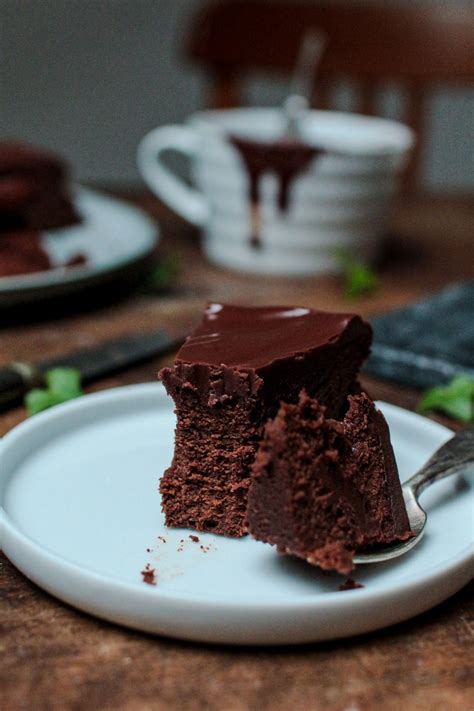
point(427, 343)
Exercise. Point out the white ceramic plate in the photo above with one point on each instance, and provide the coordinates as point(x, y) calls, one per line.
point(112, 235)
point(80, 508)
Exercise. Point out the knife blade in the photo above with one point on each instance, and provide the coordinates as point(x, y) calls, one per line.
point(92, 363)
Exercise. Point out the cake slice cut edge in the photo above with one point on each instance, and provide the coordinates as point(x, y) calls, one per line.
point(324, 488)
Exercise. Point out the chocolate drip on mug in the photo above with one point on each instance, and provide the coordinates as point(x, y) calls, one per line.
point(285, 158)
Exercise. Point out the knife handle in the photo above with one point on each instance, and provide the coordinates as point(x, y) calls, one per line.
point(15, 380)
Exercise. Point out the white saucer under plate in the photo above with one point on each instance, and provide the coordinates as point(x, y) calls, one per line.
point(113, 235)
point(81, 518)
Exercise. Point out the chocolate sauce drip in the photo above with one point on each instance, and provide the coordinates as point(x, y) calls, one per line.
point(286, 158)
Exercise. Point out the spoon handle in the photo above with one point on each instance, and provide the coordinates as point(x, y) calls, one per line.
point(309, 55)
point(451, 458)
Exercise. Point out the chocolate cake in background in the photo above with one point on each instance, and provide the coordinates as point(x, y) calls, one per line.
point(21, 253)
point(34, 196)
point(34, 190)
point(323, 488)
point(228, 380)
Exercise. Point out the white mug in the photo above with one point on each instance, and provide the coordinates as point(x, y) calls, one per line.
point(338, 202)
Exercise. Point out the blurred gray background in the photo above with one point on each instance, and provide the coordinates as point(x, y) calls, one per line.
point(89, 78)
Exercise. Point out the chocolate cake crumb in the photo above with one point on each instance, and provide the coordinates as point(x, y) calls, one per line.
point(77, 260)
point(149, 575)
point(350, 584)
point(148, 550)
point(34, 190)
point(162, 539)
point(195, 539)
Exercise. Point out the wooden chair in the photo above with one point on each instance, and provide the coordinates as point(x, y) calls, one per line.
point(416, 47)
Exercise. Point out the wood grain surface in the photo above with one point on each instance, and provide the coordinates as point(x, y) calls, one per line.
point(52, 657)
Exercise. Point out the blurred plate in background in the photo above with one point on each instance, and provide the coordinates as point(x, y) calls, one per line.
point(115, 237)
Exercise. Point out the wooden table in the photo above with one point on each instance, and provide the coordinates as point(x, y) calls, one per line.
point(52, 657)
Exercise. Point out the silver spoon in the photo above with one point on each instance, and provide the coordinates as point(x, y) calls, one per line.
point(302, 82)
point(454, 457)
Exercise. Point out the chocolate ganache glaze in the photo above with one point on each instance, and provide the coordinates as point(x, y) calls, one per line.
point(253, 338)
point(284, 157)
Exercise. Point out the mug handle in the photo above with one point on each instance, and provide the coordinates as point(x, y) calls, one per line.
point(187, 202)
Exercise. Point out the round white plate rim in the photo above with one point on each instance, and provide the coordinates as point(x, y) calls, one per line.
point(137, 593)
point(61, 275)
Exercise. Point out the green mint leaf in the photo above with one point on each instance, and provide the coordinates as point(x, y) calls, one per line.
point(37, 400)
point(63, 383)
point(456, 399)
point(164, 274)
point(359, 278)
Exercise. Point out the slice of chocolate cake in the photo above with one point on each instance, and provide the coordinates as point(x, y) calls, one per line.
point(322, 488)
point(228, 379)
